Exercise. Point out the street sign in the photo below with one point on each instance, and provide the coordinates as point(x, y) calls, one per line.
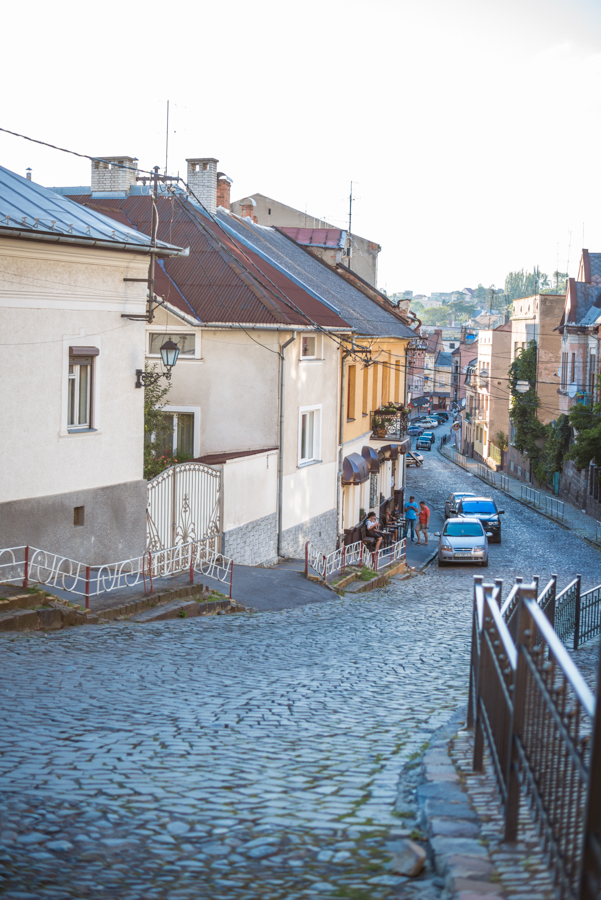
point(456, 426)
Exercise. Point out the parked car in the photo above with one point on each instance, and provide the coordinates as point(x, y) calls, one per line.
point(429, 423)
point(463, 540)
point(442, 416)
point(430, 436)
point(415, 430)
point(484, 509)
point(452, 502)
point(414, 459)
point(423, 442)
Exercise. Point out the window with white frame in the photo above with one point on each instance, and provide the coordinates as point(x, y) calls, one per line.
point(185, 342)
point(80, 388)
point(309, 346)
point(178, 440)
point(309, 437)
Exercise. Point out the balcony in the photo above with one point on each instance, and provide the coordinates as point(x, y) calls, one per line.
point(389, 423)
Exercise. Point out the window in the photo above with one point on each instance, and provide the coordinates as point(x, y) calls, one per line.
point(308, 346)
point(352, 377)
point(185, 342)
point(365, 402)
point(573, 367)
point(397, 381)
point(374, 395)
point(373, 491)
point(80, 390)
point(180, 441)
point(309, 439)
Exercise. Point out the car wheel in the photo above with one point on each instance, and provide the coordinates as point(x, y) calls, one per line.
point(498, 541)
point(418, 465)
point(484, 563)
point(441, 563)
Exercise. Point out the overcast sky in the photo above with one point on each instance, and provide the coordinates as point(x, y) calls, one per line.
point(471, 128)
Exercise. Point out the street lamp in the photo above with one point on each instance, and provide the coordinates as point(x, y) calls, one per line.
point(169, 355)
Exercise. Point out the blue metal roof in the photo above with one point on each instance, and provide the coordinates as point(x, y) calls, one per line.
point(28, 209)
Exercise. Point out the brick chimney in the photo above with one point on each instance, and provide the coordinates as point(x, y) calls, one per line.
point(114, 173)
point(224, 186)
point(202, 180)
point(247, 207)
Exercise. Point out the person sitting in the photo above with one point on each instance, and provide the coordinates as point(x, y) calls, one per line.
point(372, 529)
point(388, 522)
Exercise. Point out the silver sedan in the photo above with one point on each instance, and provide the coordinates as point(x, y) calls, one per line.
point(463, 540)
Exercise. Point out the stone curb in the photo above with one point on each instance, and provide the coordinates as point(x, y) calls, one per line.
point(135, 606)
point(459, 857)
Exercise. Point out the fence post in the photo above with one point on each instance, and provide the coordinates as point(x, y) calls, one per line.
point(26, 568)
point(577, 613)
point(343, 559)
point(550, 610)
point(374, 560)
point(306, 558)
point(231, 577)
point(87, 587)
point(590, 872)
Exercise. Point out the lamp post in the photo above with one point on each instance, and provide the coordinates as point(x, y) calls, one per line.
point(169, 355)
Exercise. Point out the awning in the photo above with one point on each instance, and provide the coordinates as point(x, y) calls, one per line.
point(354, 469)
point(421, 401)
point(391, 451)
point(405, 445)
point(371, 458)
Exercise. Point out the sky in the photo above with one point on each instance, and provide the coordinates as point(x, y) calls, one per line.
point(470, 129)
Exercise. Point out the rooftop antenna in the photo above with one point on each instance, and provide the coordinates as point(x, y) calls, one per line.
point(167, 140)
point(569, 250)
point(350, 221)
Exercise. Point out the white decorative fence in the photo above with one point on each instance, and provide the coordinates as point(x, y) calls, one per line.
point(30, 565)
point(356, 554)
point(183, 506)
point(487, 474)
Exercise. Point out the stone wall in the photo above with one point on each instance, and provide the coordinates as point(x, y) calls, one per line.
point(321, 531)
point(253, 544)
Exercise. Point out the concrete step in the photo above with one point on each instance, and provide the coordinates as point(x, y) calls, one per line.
point(184, 609)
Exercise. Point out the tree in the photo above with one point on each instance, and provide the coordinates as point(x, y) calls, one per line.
point(417, 306)
point(560, 282)
point(587, 444)
point(438, 315)
point(157, 429)
point(529, 432)
point(525, 284)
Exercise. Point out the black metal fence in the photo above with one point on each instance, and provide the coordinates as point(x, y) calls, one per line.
point(537, 716)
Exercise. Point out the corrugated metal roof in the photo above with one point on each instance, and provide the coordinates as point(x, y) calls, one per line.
point(363, 314)
point(31, 209)
point(317, 237)
point(218, 282)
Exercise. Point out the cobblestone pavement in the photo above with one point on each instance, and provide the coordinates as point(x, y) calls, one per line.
point(267, 755)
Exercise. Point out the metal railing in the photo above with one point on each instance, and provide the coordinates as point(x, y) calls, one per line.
point(456, 457)
point(529, 495)
point(598, 532)
point(357, 554)
point(504, 482)
point(388, 425)
point(532, 708)
point(487, 474)
point(554, 508)
point(30, 565)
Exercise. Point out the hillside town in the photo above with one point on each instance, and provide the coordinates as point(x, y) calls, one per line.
point(300, 570)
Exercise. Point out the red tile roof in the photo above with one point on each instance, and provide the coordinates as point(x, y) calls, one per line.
point(220, 281)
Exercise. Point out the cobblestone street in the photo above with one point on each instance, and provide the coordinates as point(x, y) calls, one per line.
point(265, 755)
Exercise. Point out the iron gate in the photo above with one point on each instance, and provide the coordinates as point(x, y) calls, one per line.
point(183, 505)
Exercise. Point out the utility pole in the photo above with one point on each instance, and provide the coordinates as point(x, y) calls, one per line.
point(167, 140)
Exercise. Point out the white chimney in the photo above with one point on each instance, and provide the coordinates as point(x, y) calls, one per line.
point(114, 173)
point(202, 181)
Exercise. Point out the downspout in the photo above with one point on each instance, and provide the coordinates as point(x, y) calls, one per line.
point(339, 522)
point(281, 441)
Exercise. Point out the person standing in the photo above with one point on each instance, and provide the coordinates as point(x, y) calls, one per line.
point(424, 518)
point(411, 510)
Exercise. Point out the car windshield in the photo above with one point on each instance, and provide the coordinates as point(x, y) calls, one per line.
point(478, 506)
point(463, 529)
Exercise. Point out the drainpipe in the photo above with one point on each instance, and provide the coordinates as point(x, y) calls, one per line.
point(281, 453)
point(339, 523)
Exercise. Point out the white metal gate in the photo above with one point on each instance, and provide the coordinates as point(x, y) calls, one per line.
point(183, 505)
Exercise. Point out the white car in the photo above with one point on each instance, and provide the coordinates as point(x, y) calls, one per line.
point(463, 540)
point(429, 423)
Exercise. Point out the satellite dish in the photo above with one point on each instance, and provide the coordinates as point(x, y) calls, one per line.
point(573, 389)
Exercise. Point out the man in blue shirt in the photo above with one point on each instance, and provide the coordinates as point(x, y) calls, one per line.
point(411, 510)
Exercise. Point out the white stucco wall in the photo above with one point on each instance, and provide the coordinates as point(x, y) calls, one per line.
point(52, 297)
point(249, 489)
